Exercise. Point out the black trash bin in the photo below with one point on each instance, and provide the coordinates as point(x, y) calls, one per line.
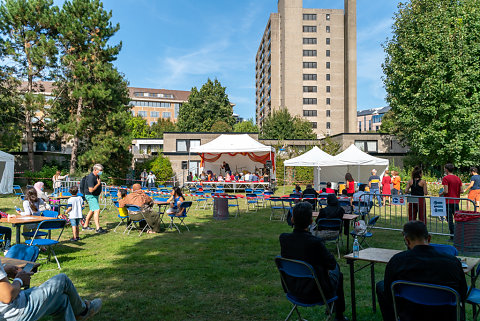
point(220, 207)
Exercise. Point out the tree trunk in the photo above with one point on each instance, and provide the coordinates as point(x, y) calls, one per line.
point(29, 139)
point(74, 157)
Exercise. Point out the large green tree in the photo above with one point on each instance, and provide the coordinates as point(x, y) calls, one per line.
point(247, 126)
point(432, 78)
point(28, 30)
point(282, 125)
point(205, 107)
point(162, 125)
point(93, 96)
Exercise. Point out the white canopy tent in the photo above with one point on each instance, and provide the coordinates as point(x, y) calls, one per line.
point(241, 152)
point(356, 162)
point(315, 157)
point(333, 168)
point(7, 164)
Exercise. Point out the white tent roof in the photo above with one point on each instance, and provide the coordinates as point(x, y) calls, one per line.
point(354, 156)
point(6, 157)
point(232, 144)
point(314, 157)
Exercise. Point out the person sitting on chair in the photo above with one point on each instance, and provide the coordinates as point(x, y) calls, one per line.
point(302, 245)
point(175, 200)
point(57, 297)
point(420, 263)
point(145, 203)
point(333, 209)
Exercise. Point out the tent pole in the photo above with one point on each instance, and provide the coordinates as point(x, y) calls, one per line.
point(284, 178)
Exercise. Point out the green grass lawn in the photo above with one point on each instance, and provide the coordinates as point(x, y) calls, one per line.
point(221, 270)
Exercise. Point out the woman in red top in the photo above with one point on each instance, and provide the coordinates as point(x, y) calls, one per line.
point(386, 181)
point(350, 184)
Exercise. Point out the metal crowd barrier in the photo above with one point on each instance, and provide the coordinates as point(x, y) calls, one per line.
point(395, 213)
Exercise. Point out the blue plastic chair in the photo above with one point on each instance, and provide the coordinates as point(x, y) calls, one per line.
point(334, 228)
point(363, 237)
point(473, 296)
point(301, 270)
point(445, 249)
point(135, 223)
point(425, 294)
point(185, 206)
point(23, 252)
point(252, 200)
point(123, 219)
point(41, 233)
point(277, 208)
point(200, 198)
point(48, 225)
point(17, 191)
point(234, 203)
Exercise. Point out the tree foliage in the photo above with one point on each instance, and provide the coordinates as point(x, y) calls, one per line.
point(432, 78)
point(92, 109)
point(162, 125)
point(138, 128)
point(29, 41)
point(205, 107)
point(221, 127)
point(247, 126)
point(282, 125)
point(160, 166)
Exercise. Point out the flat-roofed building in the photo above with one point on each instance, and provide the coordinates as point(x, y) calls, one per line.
point(153, 104)
point(306, 62)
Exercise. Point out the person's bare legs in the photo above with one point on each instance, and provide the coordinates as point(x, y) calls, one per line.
point(96, 219)
point(88, 218)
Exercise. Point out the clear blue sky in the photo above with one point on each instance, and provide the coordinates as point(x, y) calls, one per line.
point(178, 44)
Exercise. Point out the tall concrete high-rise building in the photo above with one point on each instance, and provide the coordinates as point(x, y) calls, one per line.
point(307, 63)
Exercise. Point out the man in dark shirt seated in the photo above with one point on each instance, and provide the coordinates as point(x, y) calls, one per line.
point(332, 210)
point(420, 263)
point(309, 190)
point(301, 245)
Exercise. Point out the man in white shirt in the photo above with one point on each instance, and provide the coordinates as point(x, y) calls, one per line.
point(57, 296)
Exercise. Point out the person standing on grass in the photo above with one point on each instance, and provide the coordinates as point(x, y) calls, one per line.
point(143, 178)
point(57, 181)
point(350, 184)
point(93, 191)
point(474, 187)
point(151, 180)
point(417, 187)
point(386, 181)
point(396, 183)
point(75, 204)
point(374, 184)
point(452, 187)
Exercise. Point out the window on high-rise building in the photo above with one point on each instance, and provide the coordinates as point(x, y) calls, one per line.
point(166, 114)
point(328, 89)
point(327, 41)
point(314, 124)
point(327, 64)
point(309, 76)
point(328, 101)
point(327, 77)
point(327, 53)
point(309, 113)
point(309, 89)
point(327, 16)
point(154, 114)
point(309, 28)
point(309, 41)
point(310, 53)
point(309, 16)
point(327, 29)
point(309, 101)
point(142, 113)
point(328, 112)
point(309, 64)
point(328, 125)
point(133, 112)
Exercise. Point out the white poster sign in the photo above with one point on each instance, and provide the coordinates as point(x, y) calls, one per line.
point(438, 207)
point(398, 200)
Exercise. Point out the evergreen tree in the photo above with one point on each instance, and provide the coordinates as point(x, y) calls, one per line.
point(282, 125)
point(162, 125)
point(28, 30)
point(204, 108)
point(93, 105)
